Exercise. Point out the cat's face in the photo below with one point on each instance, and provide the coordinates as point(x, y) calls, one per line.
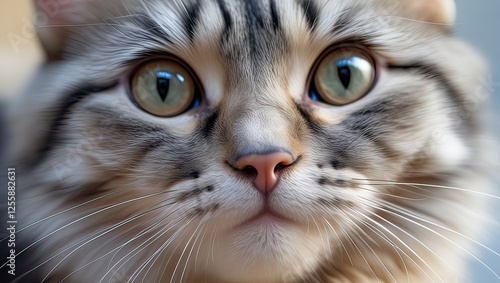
point(247, 140)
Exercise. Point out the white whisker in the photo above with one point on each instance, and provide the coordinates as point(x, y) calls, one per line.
point(359, 229)
point(374, 182)
point(441, 236)
point(359, 251)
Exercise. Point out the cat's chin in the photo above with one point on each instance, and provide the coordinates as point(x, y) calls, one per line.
point(266, 249)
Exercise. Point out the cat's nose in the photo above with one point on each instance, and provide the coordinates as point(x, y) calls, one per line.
point(266, 166)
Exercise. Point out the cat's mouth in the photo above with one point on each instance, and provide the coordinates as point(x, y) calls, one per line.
point(265, 216)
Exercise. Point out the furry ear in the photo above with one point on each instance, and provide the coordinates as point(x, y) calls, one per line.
point(53, 20)
point(433, 11)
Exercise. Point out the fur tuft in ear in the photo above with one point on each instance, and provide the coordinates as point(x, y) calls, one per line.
point(54, 17)
point(432, 11)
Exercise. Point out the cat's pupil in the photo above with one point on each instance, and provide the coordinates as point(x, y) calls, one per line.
point(344, 75)
point(162, 86)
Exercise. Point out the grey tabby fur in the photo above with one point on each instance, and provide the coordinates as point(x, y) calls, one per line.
point(387, 189)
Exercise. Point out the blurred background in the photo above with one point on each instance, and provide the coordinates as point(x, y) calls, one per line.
point(17, 61)
point(478, 22)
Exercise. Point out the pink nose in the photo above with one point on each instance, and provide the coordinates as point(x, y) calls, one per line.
point(266, 166)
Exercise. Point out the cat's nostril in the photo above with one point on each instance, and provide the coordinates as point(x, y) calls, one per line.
point(249, 170)
point(263, 167)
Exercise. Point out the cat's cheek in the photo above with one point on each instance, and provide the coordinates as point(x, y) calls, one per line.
point(216, 197)
point(324, 195)
point(448, 151)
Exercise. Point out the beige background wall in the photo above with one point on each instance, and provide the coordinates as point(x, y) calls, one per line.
point(19, 52)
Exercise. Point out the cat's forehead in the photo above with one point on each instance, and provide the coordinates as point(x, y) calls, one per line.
point(263, 26)
point(243, 41)
point(248, 29)
point(249, 38)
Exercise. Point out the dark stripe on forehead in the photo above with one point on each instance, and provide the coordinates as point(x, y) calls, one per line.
point(191, 19)
point(253, 12)
point(262, 27)
point(147, 24)
point(311, 12)
point(254, 22)
point(228, 21)
point(345, 19)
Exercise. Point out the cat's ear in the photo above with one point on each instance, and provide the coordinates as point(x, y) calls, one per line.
point(433, 11)
point(54, 19)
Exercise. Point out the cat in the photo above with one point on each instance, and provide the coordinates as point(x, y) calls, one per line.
point(249, 141)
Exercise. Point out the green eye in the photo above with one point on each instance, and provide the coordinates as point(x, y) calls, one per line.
point(343, 76)
point(163, 88)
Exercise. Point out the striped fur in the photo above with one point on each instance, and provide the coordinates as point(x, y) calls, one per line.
point(115, 194)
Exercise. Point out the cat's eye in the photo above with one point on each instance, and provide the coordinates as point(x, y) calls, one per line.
point(163, 88)
point(343, 76)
